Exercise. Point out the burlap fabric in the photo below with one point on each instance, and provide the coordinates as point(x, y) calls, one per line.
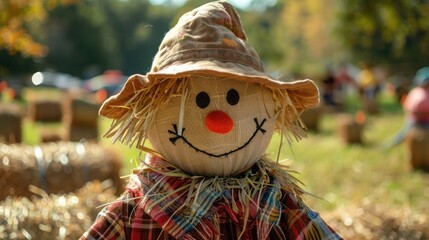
point(207, 52)
point(199, 150)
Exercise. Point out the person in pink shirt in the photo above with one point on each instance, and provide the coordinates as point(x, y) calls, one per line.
point(416, 106)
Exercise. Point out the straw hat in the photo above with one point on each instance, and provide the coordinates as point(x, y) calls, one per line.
point(210, 40)
point(206, 52)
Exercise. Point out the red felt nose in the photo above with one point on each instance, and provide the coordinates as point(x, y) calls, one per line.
point(219, 122)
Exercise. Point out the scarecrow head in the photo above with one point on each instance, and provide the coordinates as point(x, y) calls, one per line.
point(207, 105)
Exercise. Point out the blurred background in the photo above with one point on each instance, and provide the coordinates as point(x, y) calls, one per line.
point(84, 38)
point(60, 59)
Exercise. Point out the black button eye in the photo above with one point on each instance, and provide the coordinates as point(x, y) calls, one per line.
point(202, 99)
point(232, 97)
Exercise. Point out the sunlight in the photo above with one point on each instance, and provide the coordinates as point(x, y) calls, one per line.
point(37, 78)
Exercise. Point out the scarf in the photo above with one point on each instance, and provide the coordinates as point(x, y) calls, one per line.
point(187, 206)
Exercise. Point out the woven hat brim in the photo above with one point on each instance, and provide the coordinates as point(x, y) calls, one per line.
point(304, 93)
point(228, 69)
point(306, 90)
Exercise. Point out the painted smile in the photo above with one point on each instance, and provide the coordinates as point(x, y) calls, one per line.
point(177, 137)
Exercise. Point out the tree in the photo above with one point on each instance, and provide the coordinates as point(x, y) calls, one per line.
point(15, 16)
point(138, 28)
point(21, 47)
point(80, 39)
point(84, 38)
point(389, 32)
point(260, 30)
point(305, 29)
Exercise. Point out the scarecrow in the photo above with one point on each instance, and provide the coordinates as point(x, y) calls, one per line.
point(209, 110)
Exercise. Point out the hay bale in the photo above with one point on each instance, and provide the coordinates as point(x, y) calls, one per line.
point(79, 133)
point(311, 118)
point(371, 106)
point(84, 113)
point(45, 110)
point(374, 222)
point(349, 130)
point(11, 123)
point(81, 117)
point(55, 216)
point(50, 136)
point(56, 167)
point(52, 133)
point(418, 148)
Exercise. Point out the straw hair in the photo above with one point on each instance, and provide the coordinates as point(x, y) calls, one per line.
point(134, 117)
point(266, 168)
point(139, 111)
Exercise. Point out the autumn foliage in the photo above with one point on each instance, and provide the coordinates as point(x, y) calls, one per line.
point(14, 17)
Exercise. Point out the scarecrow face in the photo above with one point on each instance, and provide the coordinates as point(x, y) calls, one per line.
point(221, 128)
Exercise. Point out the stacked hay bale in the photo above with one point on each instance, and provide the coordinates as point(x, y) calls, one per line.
point(56, 167)
point(82, 118)
point(53, 216)
point(350, 128)
point(374, 222)
point(418, 148)
point(371, 106)
point(10, 123)
point(311, 118)
point(47, 111)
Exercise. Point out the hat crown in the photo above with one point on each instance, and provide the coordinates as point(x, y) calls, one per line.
point(210, 32)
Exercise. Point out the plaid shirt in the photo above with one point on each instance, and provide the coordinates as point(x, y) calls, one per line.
point(131, 218)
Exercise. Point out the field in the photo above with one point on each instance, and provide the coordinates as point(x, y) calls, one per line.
point(337, 175)
point(344, 174)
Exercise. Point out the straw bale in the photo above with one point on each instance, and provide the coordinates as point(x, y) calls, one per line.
point(349, 130)
point(45, 110)
point(54, 216)
point(371, 221)
point(52, 133)
point(371, 106)
point(78, 133)
point(83, 112)
point(56, 167)
point(311, 118)
point(10, 116)
point(417, 142)
point(50, 136)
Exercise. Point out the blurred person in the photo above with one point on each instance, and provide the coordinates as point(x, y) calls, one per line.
point(416, 107)
point(344, 79)
point(399, 85)
point(3, 86)
point(367, 83)
point(329, 83)
point(335, 83)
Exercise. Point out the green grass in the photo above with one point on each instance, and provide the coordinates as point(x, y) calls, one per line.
point(338, 173)
point(343, 174)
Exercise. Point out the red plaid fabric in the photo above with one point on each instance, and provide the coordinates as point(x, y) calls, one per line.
point(127, 219)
